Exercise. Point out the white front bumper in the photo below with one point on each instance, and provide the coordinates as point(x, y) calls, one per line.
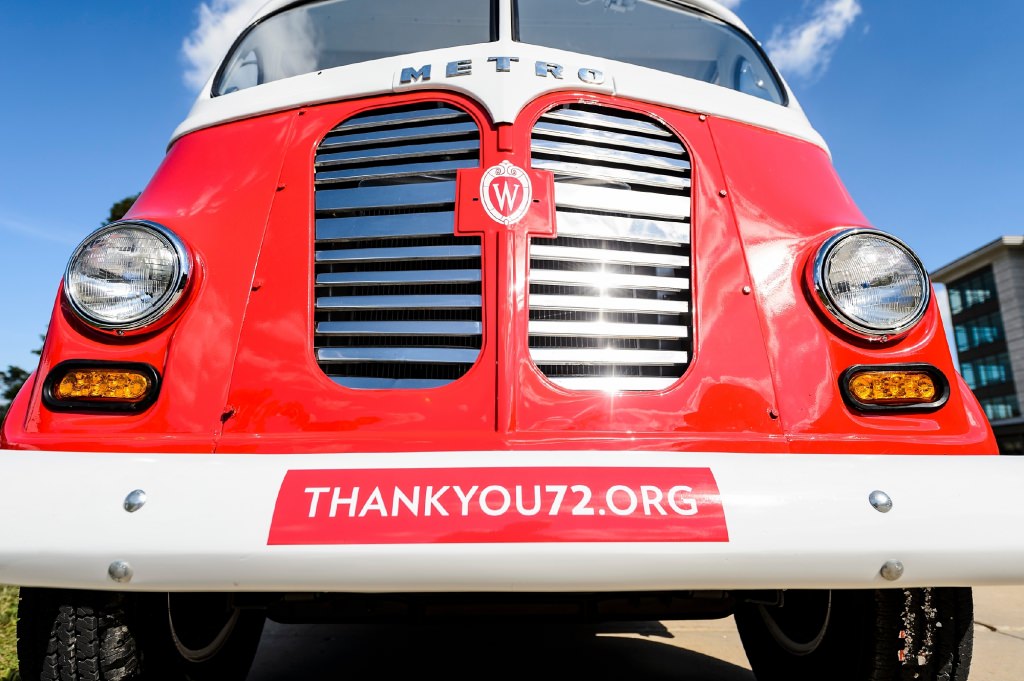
point(794, 521)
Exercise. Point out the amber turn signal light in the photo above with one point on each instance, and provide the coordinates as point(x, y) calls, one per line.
point(889, 387)
point(89, 386)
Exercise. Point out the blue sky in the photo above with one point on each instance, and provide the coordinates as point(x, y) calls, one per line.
point(920, 101)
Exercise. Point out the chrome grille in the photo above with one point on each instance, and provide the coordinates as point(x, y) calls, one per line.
point(398, 302)
point(610, 297)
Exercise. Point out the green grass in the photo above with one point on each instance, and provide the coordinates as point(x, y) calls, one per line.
point(8, 639)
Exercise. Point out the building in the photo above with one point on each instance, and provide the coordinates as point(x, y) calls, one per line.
point(986, 300)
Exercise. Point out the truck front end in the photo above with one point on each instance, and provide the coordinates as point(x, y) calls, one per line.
point(514, 300)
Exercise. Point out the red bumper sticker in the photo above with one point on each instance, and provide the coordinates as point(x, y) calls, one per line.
point(498, 505)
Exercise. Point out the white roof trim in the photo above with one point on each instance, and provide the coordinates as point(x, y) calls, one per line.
point(505, 94)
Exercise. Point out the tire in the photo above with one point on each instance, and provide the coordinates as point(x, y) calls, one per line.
point(75, 636)
point(883, 635)
point(68, 635)
point(202, 637)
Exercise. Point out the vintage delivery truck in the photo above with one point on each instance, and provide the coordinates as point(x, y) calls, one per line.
point(499, 303)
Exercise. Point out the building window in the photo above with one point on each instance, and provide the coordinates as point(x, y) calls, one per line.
point(1001, 407)
point(972, 290)
point(1011, 444)
point(979, 331)
point(986, 371)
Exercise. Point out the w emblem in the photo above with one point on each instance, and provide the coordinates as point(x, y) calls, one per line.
point(506, 193)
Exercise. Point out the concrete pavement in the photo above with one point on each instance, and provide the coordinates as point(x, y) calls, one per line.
point(652, 651)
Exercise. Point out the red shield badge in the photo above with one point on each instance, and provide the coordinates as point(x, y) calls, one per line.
point(506, 193)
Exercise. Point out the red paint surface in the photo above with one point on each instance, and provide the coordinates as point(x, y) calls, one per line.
point(237, 363)
point(498, 506)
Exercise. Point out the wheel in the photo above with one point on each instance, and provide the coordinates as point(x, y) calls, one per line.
point(883, 635)
point(98, 636)
point(204, 637)
point(75, 635)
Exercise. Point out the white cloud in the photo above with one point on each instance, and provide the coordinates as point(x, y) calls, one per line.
point(220, 22)
point(805, 50)
point(731, 4)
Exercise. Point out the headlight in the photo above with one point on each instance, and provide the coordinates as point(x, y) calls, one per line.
point(126, 275)
point(871, 283)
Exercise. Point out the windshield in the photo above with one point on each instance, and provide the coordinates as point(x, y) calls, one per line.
point(333, 33)
point(655, 34)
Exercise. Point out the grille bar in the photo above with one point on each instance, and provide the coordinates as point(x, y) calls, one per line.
point(609, 304)
point(412, 116)
point(431, 253)
point(413, 302)
point(606, 330)
point(611, 175)
point(626, 229)
point(601, 256)
point(406, 355)
point(375, 198)
point(606, 120)
point(409, 151)
point(546, 148)
point(387, 136)
point(398, 277)
point(605, 280)
point(385, 226)
point(399, 303)
point(610, 296)
point(399, 328)
point(619, 201)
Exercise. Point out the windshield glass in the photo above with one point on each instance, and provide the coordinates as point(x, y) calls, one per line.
point(333, 33)
point(655, 34)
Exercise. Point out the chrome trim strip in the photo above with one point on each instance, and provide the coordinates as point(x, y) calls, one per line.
point(607, 356)
point(609, 304)
point(599, 255)
point(563, 170)
point(407, 151)
point(604, 154)
point(401, 253)
point(389, 173)
point(649, 204)
point(606, 137)
point(647, 230)
point(605, 120)
point(401, 118)
point(584, 329)
point(385, 226)
point(608, 280)
point(398, 277)
point(397, 302)
point(398, 354)
point(398, 196)
point(341, 139)
point(407, 328)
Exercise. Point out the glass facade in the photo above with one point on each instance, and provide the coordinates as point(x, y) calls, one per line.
point(981, 346)
point(972, 290)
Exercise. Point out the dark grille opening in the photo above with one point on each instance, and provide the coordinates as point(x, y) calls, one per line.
point(398, 296)
point(610, 297)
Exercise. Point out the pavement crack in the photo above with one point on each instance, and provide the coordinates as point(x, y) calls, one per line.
point(997, 631)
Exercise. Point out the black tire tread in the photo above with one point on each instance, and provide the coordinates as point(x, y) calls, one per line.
point(883, 635)
point(74, 636)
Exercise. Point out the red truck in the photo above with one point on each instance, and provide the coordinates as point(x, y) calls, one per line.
point(486, 302)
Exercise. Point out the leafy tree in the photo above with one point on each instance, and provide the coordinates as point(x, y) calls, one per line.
point(118, 210)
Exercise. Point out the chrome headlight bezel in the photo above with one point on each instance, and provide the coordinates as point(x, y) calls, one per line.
point(848, 321)
point(162, 304)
